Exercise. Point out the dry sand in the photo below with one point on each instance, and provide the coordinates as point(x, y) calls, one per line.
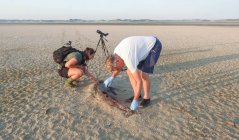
point(195, 87)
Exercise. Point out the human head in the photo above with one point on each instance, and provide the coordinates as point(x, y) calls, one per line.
point(89, 53)
point(114, 62)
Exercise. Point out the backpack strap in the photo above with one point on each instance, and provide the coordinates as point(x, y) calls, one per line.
point(83, 62)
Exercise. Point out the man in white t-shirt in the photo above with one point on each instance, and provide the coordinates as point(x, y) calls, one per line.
point(139, 54)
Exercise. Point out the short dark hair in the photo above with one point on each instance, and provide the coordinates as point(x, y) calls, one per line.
point(89, 50)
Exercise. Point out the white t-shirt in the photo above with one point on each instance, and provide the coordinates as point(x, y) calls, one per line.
point(134, 49)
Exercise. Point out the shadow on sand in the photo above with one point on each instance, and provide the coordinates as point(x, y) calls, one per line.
point(194, 64)
point(207, 83)
point(184, 51)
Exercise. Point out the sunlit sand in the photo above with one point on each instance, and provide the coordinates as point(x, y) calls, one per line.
point(195, 86)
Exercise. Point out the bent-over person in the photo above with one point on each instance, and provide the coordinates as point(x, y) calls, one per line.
point(139, 54)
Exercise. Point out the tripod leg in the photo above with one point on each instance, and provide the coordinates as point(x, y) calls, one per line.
point(97, 45)
point(104, 48)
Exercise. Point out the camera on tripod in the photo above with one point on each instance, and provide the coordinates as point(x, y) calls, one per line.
point(101, 42)
point(101, 33)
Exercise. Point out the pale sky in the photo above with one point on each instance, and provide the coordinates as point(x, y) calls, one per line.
point(119, 9)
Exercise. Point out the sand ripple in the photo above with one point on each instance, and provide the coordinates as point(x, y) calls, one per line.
point(194, 88)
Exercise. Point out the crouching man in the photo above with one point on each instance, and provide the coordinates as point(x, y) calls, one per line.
point(75, 66)
point(139, 54)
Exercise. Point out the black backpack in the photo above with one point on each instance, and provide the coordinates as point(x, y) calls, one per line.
point(60, 54)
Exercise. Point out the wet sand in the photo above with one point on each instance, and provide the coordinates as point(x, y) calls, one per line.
point(194, 92)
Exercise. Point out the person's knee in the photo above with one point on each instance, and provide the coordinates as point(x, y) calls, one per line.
point(79, 73)
point(76, 73)
point(145, 77)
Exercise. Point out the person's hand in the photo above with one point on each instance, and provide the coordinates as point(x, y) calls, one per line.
point(134, 105)
point(108, 81)
point(96, 81)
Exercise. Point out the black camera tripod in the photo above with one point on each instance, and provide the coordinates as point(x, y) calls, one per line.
point(102, 42)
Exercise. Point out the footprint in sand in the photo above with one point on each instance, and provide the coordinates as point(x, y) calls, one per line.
point(52, 110)
point(234, 123)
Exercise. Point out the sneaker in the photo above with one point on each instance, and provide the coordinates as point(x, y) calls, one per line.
point(67, 84)
point(144, 103)
point(129, 100)
point(74, 83)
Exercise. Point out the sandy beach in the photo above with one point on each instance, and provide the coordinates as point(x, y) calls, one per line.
point(195, 86)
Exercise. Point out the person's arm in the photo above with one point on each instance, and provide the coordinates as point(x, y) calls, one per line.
point(109, 80)
point(115, 73)
point(137, 78)
point(137, 86)
point(87, 73)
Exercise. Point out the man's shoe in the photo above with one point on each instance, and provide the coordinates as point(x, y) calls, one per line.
point(144, 103)
point(129, 100)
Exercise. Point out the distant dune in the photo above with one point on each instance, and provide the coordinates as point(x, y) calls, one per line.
point(223, 22)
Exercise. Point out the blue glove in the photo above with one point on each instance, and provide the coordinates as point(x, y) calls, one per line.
point(134, 105)
point(108, 81)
